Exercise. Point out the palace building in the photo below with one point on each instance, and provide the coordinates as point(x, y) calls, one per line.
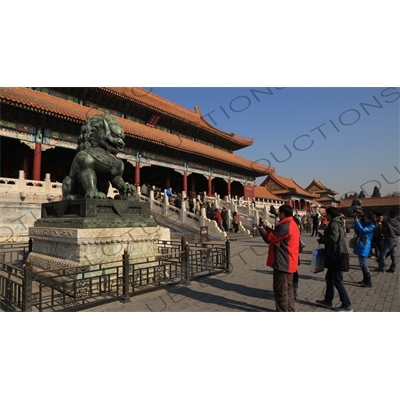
point(288, 190)
point(326, 196)
point(166, 145)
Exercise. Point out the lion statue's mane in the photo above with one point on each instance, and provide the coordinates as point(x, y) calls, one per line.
point(95, 165)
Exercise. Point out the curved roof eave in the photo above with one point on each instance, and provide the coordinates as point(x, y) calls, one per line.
point(177, 111)
point(43, 103)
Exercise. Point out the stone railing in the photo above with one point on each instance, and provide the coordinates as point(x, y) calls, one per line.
point(181, 216)
point(29, 191)
point(29, 194)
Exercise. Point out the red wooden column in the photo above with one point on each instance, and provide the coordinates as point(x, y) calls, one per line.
point(209, 187)
point(137, 173)
point(37, 162)
point(185, 182)
point(228, 187)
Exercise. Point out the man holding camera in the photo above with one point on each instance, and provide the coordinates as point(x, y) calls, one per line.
point(283, 256)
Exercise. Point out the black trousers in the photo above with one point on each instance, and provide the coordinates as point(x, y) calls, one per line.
point(314, 229)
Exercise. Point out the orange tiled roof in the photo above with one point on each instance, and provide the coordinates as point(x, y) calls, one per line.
point(155, 102)
point(390, 201)
point(43, 103)
point(322, 188)
point(288, 185)
point(262, 192)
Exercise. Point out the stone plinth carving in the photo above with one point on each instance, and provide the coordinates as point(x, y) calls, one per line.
point(96, 213)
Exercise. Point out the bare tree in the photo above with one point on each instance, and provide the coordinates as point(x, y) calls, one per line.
point(395, 193)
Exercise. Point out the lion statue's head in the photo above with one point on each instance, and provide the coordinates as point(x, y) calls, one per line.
point(103, 131)
point(356, 202)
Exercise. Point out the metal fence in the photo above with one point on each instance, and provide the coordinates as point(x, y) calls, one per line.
point(15, 253)
point(26, 288)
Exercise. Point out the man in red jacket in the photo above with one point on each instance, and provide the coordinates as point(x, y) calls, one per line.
point(218, 219)
point(283, 256)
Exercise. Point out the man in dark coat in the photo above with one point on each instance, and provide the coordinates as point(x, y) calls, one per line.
point(315, 223)
point(390, 231)
point(224, 214)
point(335, 245)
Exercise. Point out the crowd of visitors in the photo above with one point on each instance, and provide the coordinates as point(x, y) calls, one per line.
point(374, 238)
point(372, 234)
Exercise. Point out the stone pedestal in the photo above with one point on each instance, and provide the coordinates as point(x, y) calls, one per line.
point(73, 233)
point(72, 247)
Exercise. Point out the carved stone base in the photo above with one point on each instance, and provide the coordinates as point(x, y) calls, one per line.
point(71, 247)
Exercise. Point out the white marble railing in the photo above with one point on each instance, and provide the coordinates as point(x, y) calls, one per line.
point(25, 187)
point(182, 216)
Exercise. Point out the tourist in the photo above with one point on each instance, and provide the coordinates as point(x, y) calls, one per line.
point(390, 231)
point(177, 202)
point(197, 210)
point(365, 233)
point(191, 204)
point(283, 256)
point(218, 219)
point(378, 235)
point(235, 221)
point(308, 224)
point(224, 214)
point(315, 223)
point(210, 211)
point(333, 239)
point(304, 223)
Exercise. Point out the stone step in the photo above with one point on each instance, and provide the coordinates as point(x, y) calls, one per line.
point(238, 236)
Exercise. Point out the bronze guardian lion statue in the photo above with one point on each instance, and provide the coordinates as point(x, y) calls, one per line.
point(96, 165)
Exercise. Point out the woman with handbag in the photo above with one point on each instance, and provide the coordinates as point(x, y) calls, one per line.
point(335, 248)
point(365, 232)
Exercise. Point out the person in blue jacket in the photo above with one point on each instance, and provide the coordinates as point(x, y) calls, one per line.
point(365, 233)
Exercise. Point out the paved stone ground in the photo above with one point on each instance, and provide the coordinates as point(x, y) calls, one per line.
point(249, 287)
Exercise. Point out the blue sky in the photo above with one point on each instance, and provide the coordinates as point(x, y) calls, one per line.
point(347, 138)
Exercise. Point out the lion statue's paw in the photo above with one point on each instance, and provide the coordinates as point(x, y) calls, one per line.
point(95, 195)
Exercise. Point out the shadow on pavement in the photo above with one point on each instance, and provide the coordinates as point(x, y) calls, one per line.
point(237, 288)
point(219, 300)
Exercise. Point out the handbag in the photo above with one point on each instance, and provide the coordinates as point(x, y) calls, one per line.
point(355, 239)
point(344, 262)
point(317, 260)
